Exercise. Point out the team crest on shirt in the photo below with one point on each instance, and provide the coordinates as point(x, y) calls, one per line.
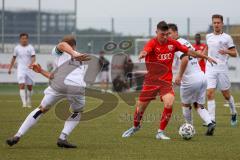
point(201, 47)
point(170, 47)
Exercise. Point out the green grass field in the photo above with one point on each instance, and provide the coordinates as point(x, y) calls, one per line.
point(100, 138)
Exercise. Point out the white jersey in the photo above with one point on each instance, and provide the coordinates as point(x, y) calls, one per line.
point(216, 43)
point(193, 69)
point(23, 55)
point(76, 77)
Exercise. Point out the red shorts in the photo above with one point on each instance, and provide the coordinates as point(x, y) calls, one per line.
point(149, 92)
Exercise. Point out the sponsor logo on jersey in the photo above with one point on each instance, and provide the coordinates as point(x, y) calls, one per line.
point(170, 47)
point(166, 56)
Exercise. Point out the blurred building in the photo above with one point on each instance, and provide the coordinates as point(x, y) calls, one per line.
point(27, 21)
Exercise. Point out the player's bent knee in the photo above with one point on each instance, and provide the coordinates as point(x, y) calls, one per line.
point(77, 110)
point(226, 95)
point(21, 86)
point(43, 109)
point(186, 105)
point(210, 95)
point(168, 104)
point(199, 106)
point(29, 87)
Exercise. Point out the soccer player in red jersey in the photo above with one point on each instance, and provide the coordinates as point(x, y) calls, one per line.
point(159, 55)
point(200, 47)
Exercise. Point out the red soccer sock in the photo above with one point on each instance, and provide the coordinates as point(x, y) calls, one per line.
point(137, 117)
point(166, 115)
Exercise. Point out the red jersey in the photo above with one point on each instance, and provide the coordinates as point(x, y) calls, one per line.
point(160, 57)
point(202, 62)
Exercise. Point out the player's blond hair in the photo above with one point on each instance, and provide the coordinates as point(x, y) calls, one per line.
point(69, 39)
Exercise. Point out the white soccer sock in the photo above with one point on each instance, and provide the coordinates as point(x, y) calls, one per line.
point(211, 109)
point(232, 106)
point(31, 120)
point(29, 95)
point(69, 125)
point(204, 114)
point(187, 114)
point(23, 96)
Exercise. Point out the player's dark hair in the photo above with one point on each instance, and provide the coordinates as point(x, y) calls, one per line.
point(69, 39)
point(23, 34)
point(198, 35)
point(217, 16)
point(173, 27)
point(163, 26)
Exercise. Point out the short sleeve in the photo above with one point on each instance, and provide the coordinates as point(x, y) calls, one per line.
point(15, 52)
point(33, 53)
point(180, 47)
point(230, 43)
point(56, 52)
point(179, 54)
point(149, 46)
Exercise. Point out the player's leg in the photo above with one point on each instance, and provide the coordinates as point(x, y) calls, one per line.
point(186, 95)
point(147, 94)
point(187, 113)
point(49, 99)
point(29, 83)
point(77, 104)
point(227, 95)
point(23, 94)
point(138, 114)
point(211, 103)
point(21, 83)
point(225, 85)
point(205, 116)
point(30, 121)
point(168, 100)
point(211, 86)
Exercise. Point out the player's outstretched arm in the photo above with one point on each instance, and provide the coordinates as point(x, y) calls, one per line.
point(11, 64)
point(33, 59)
point(65, 47)
point(38, 69)
point(200, 55)
point(183, 66)
point(231, 52)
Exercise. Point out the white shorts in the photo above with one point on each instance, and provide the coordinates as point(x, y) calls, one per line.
point(103, 76)
point(51, 97)
point(194, 92)
point(218, 80)
point(24, 78)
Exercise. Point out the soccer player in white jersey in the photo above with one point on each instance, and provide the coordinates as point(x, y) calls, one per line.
point(220, 46)
point(25, 55)
point(192, 83)
point(64, 53)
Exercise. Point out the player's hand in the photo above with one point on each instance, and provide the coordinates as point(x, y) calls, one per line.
point(81, 57)
point(142, 55)
point(36, 67)
point(212, 61)
point(9, 71)
point(178, 80)
point(51, 76)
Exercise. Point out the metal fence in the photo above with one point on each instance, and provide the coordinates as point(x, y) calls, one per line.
point(47, 23)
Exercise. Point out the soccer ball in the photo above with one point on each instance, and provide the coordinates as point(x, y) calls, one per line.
point(186, 131)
